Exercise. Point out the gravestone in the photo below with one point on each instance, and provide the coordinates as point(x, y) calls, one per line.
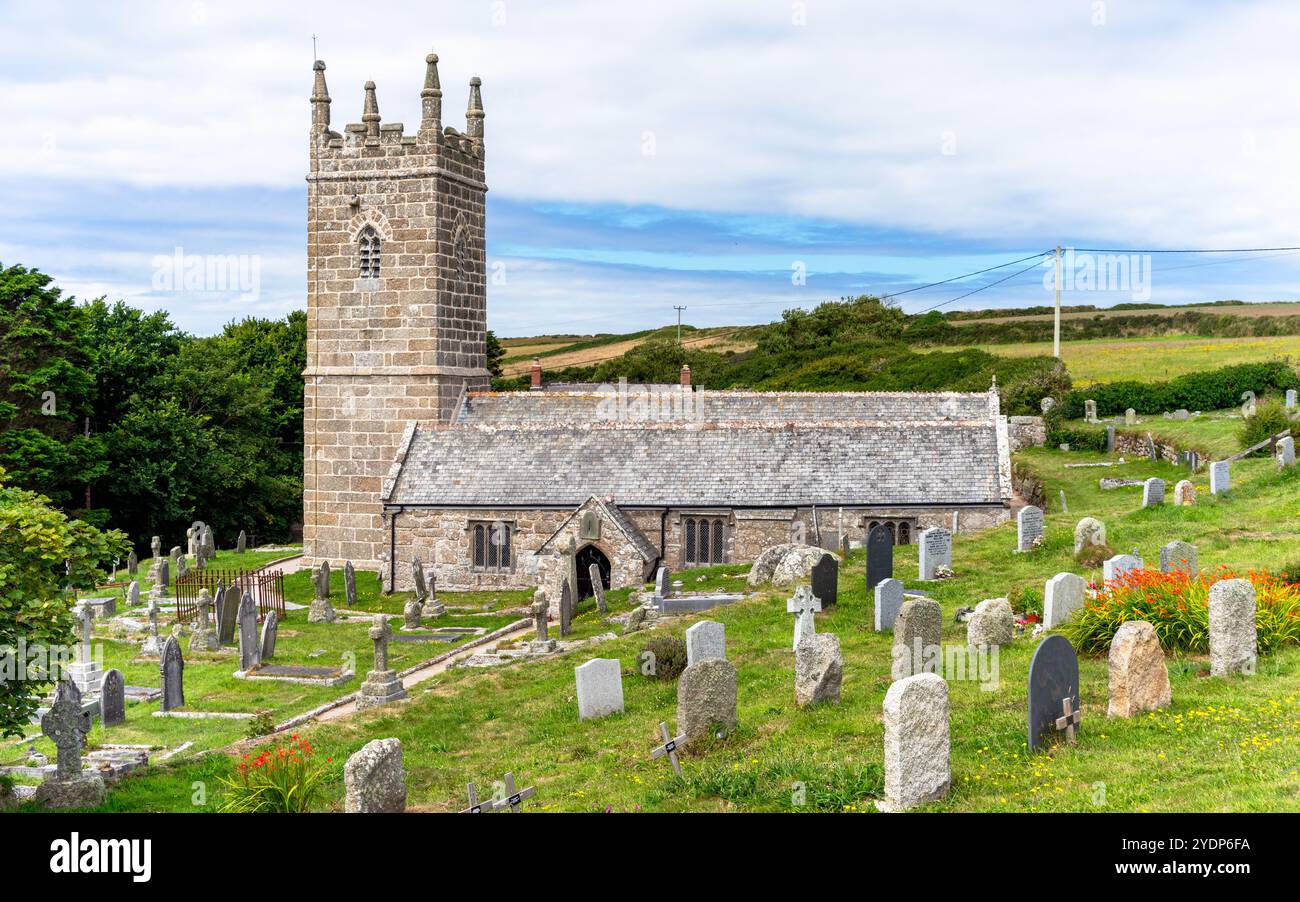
point(433, 608)
point(66, 724)
point(818, 670)
point(917, 762)
point(1053, 686)
point(571, 568)
point(663, 584)
point(270, 631)
point(202, 636)
point(171, 669)
point(1286, 453)
point(112, 698)
point(600, 688)
point(1179, 557)
point(1153, 492)
point(991, 625)
point(375, 779)
point(164, 576)
point(417, 578)
point(1152, 452)
point(826, 580)
point(132, 563)
point(804, 605)
point(541, 612)
point(1110, 439)
point(880, 556)
point(321, 610)
point(230, 600)
point(241, 544)
point(382, 685)
point(1232, 627)
point(349, 585)
point(597, 586)
point(1090, 411)
point(411, 615)
point(1182, 413)
point(1065, 508)
point(706, 698)
point(1113, 569)
point(152, 646)
point(1220, 477)
point(1138, 677)
point(1062, 596)
point(705, 641)
point(566, 609)
point(85, 671)
point(1290, 398)
point(935, 551)
point(133, 594)
point(889, 599)
point(917, 634)
point(1185, 493)
point(250, 647)
point(1130, 417)
point(1029, 527)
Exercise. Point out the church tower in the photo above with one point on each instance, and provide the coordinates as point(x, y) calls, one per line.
point(396, 302)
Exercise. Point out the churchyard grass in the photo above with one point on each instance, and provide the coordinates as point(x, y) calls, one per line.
point(1225, 745)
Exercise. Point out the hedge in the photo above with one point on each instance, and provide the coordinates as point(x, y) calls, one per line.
point(1207, 390)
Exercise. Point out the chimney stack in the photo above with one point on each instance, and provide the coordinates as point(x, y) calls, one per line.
point(686, 376)
point(537, 374)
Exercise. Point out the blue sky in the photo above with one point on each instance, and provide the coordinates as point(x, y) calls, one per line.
point(645, 155)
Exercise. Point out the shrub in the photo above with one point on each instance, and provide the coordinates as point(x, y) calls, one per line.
point(1093, 556)
point(1207, 390)
point(281, 780)
point(1028, 600)
point(1269, 419)
point(664, 658)
point(1178, 607)
point(261, 725)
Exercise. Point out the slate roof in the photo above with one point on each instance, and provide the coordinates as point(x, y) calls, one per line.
point(621, 522)
point(510, 451)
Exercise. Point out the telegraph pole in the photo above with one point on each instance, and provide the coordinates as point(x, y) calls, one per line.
point(1056, 329)
point(679, 324)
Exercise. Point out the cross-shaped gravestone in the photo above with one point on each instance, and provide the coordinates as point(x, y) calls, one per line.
point(67, 725)
point(475, 806)
point(513, 796)
point(380, 633)
point(803, 606)
point(669, 747)
point(1069, 719)
point(85, 623)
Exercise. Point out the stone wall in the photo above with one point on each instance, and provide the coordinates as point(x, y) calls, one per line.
point(1134, 444)
point(1026, 432)
point(403, 346)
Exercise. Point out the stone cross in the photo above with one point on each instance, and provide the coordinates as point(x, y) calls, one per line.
point(669, 747)
point(85, 622)
point(152, 643)
point(513, 797)
point(541, 610)
point(803, 606)
point(379, 633)
point(67, 725)
point(1069, 719)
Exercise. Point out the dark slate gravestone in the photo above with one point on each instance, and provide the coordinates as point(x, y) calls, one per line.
point(270, 630)
point(250, 648)
point(566, 609)
point(350, 585)
point(1053, 678)
point(112, 698)
point(826, 580)
point(172, 670)
point(218, 607)
point(880, 556)
point(230, 615)
point(597, 587)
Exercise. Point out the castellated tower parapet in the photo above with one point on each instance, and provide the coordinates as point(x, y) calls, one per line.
point(396, 301)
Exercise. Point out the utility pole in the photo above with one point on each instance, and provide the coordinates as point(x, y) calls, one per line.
point(679, 324)
point(1056, 329)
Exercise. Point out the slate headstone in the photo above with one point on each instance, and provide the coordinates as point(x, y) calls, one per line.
point(270, 631)
point(349, 584)
point(132, 564)
point(935, 551)
point(1029, 526)
point(826, 580)
point(1220, 477)
point(663, 582)
point(566, 609)
point(880, 555)
point(417, 576)
point(889, 599)
point(1113, 569)
point(1053, 678)
point(1153, 492)
point(597, 586)
point(250, 647)
point(705, 641)
point(172, 671)
point(600, 688)
point(241, 544)
point(112, 698)
point(229, 614)
point(1290, 398)
point(1063, 595)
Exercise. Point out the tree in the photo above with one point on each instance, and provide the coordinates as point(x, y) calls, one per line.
point(41, 551)
point(496, 353)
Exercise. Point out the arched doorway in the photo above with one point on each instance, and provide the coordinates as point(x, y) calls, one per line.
point(588, 555)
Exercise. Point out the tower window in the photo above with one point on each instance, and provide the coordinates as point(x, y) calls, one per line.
point(368, 243)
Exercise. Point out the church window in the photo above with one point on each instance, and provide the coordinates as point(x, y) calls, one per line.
point(704, 540)
point(368, 243)
point(491, 544)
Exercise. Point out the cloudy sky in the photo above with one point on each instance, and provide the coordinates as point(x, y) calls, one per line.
point(642, 155)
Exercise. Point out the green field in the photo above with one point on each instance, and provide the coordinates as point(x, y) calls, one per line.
point(1226, 744)
point(1148, 359)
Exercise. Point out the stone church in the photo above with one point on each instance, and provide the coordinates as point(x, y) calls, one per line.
point(409, 454)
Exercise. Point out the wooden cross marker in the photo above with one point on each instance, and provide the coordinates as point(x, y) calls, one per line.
point(513, 796)
point(477, 807)
point(1069, 719)
point(669, 747)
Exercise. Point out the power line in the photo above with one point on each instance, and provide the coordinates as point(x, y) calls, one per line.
point(978, 272)
point(1202, 250)
point(982, 288)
